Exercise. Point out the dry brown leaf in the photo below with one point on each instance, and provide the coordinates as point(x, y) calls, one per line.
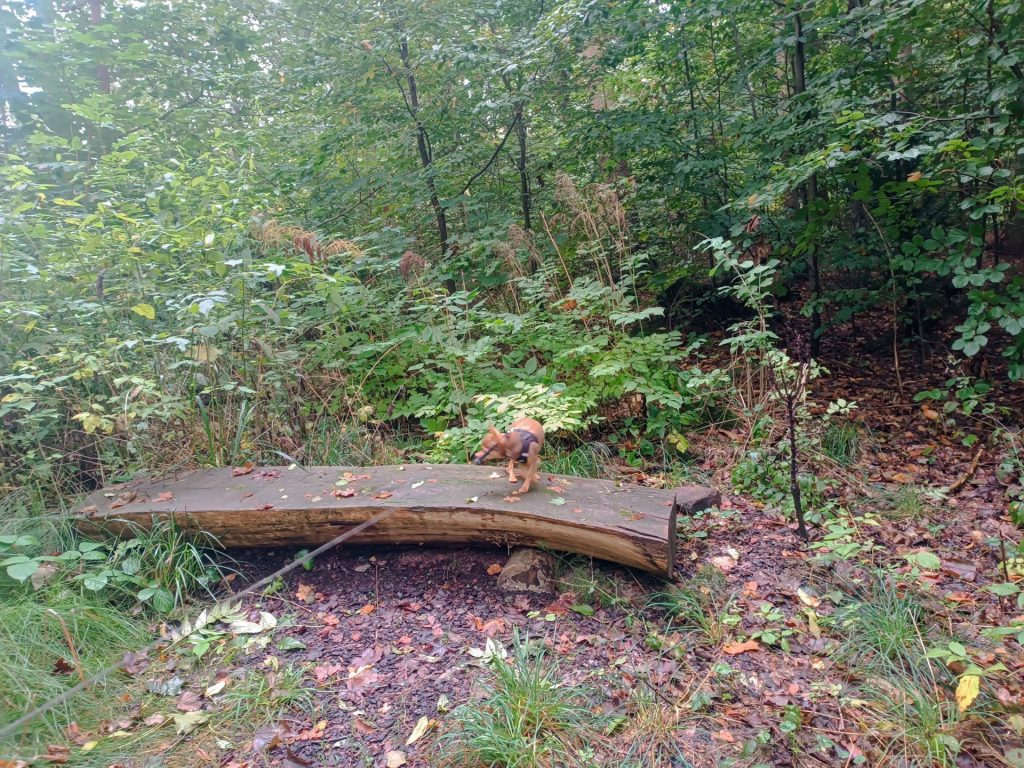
point(362, 726)
point(494, 569)
point(512, 499)
point(189, 702)
point(316, 732)
point(343, 493)
point(367, 609)
point(74, 733)
point(724, 563)
point(125, 498)
point(245, 469)
point(734, 649)
point(915, 176)
point(305, 593)
point(723, 735)
point(383, 495)
point(165, 496)
point(57, 753)
point(395, 759)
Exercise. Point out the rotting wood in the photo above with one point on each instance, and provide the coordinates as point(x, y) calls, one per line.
point(434, 504)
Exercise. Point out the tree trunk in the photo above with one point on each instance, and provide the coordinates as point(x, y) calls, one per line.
point(519, 117)
point(423, 143)
point(810, 191)
point(102, 71)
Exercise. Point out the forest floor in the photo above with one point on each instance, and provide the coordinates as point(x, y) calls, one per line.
point(763, 652)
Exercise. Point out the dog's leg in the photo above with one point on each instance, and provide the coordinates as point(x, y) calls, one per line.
point(512, 471)
point(532, 463)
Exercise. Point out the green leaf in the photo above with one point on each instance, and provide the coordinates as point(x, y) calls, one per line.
point(163, 600)
point(289, 643)
point(1003, 589)
point(94, 582)
point(583, 609)
point(558, 501)
point(23, 570)
point(145, 310)
point(957, 648)
point(925, 559)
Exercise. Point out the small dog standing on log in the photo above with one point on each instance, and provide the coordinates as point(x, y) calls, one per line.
point(521, 444)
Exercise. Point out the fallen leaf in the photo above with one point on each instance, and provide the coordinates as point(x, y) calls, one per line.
point(165, 496)
point(245, 469)
point(967, 691)
point(56, 753)
point(416, 485)
point(125, 498)
point(493, 475)
point(558, 501)
point(723, 735)
point(494, 569)
point(395, 759)
point(734, 649)
point(291, 760)
point(512, 499)
point(269, 736)
point(724, 563)
point(472, 499)
point(321, 673)
point(361, 676)
point(189, 702)
point(343, 493)
point(216, 688)
point(264, 507)
point(89, 746)
point(316, 732)
point(915, 176)
point(188, 722)
point(362, 726)
point(92, 509)
point(305, 593)
point(383, 495)
point(134, 663)
point(74, 733)
point(422, 726)
point(960, 569)
point(367, 609)
point(808, 599)
point(61, 666)
point(154, 720)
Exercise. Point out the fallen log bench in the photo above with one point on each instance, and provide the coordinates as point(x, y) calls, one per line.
point(433, 504)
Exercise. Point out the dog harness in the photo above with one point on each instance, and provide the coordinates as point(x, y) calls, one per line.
point(528, 439)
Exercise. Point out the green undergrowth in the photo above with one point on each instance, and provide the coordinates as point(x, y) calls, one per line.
point(525, 717)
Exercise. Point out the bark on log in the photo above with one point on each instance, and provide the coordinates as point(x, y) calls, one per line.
point(435, 504)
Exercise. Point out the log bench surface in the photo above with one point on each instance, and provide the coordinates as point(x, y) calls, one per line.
point(434, 504)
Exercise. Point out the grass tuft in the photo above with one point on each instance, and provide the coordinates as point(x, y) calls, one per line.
point(527, 718)
point(700, 607)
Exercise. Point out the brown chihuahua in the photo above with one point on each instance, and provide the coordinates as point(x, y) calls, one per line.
point(522, 443)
